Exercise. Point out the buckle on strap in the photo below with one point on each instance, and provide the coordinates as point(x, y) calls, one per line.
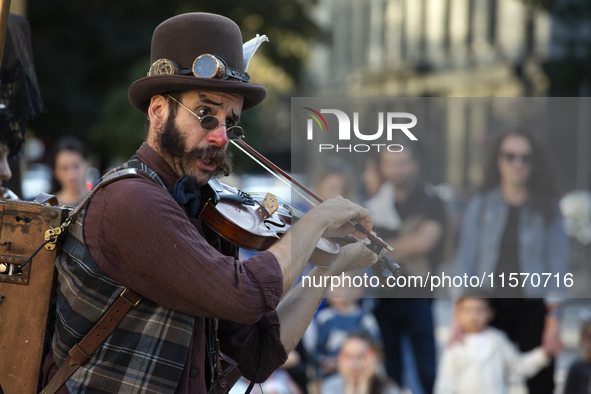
point(132, 303)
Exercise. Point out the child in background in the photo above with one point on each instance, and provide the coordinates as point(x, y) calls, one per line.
point(337, 321)
point(578, 380)
point(359, 369)
point(484, 361)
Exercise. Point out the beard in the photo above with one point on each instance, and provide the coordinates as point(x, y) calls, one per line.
point(172, 144)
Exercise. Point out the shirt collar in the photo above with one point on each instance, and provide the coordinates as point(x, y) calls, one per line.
point(147, 155)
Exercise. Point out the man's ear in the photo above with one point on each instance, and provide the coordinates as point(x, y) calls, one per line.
point(158, 111)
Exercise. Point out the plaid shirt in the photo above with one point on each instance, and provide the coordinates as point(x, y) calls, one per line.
point(143, 352)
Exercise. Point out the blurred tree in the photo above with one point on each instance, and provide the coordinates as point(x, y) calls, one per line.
point(88, 52)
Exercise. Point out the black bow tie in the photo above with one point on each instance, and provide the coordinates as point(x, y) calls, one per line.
point(187, 194)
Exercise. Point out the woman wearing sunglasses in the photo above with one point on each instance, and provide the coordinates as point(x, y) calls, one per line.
point(514, 226)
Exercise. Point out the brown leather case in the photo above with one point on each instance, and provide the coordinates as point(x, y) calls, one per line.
point(25, 297)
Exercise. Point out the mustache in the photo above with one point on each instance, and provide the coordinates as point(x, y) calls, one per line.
point(219, 155)
point(170, 140)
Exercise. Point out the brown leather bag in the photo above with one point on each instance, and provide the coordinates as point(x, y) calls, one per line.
point(26, 288)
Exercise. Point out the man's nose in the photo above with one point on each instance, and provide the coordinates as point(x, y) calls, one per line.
point(219, 136)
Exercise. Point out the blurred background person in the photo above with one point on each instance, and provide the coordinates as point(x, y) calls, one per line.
point(410, 217)
point(331, 183)
point(485, 361)
point(280, 382)
point(514, 225)
point(69, 162)
point(578, 380)
point(5, 172)
point(359, 369)
point(335, 322)
point(371, 179)
point(20, 99)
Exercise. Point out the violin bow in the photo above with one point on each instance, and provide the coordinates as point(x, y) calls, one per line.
point(244, 147)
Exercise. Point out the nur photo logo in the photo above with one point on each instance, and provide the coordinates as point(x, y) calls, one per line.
point(389, 123)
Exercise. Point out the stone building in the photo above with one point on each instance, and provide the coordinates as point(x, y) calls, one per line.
point(446, 48)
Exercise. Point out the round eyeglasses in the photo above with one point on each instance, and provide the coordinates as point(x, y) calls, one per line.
point(210, 122)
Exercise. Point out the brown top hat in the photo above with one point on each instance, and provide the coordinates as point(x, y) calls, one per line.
point(182, 39)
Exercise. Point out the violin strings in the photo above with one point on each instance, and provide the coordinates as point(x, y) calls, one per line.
point(271, 172)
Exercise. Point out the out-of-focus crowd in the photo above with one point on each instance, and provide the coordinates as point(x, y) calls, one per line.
point(499, 338)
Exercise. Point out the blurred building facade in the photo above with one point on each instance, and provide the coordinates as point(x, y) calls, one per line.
point(446, 48)
point(433, 48)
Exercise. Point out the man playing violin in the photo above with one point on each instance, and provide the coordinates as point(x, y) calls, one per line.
point(144, 234)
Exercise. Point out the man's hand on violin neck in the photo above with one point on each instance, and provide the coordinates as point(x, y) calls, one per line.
point(335, 214)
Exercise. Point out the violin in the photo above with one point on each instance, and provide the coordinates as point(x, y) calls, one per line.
point(255, 222)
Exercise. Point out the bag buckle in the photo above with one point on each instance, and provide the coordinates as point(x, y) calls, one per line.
point(122, 295)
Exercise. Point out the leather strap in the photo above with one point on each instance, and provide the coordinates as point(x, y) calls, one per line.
point(81, 352)
point(107, 179)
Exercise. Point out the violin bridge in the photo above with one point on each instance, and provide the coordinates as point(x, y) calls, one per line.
point(270, 203)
